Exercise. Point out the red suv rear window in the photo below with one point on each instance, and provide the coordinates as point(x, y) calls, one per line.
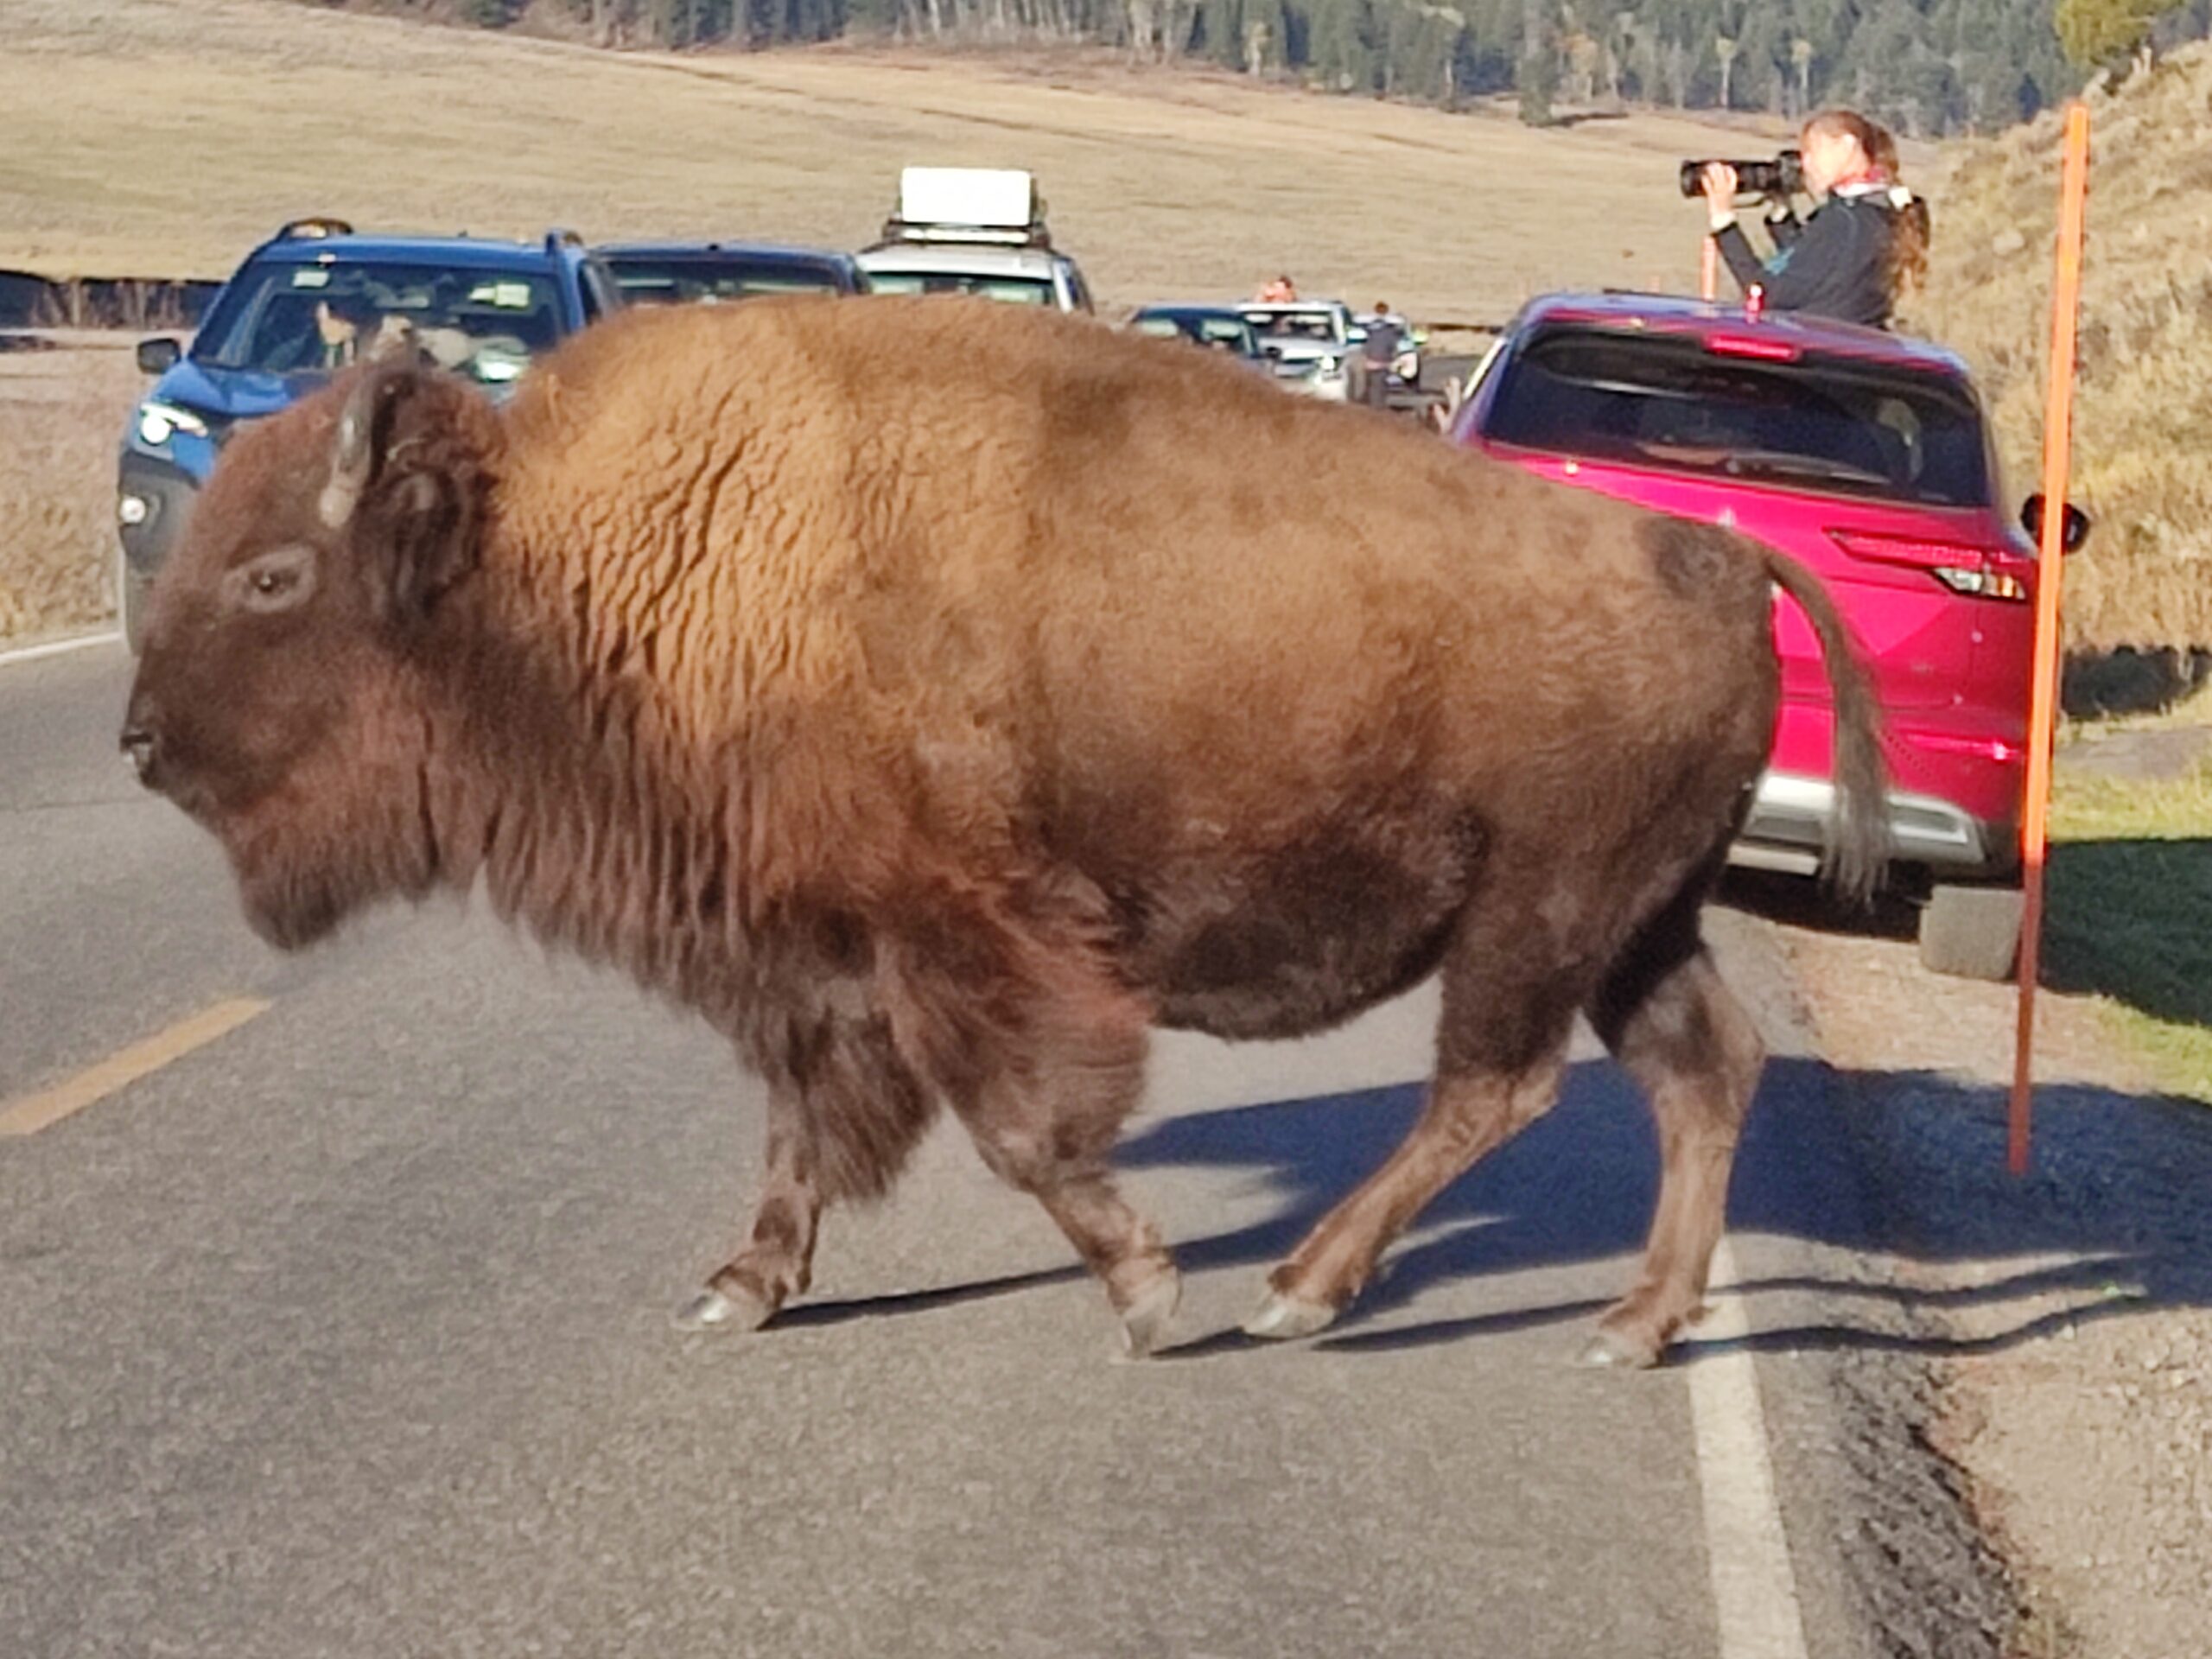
point(1679, 403)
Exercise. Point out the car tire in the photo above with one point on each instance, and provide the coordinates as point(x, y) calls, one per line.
point(1972, 932)
point(132, 592)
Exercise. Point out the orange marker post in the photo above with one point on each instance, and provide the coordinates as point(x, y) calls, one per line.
point(2042, 707)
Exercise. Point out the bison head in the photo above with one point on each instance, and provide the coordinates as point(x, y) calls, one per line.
point(284, 692)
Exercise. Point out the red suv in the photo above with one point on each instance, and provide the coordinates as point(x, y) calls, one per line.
point(1865, 456)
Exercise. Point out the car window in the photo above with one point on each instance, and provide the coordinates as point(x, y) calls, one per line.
point(1674, 404)
point(596, 291)
point(1013, 290)
point(284, 318)
point(1220, 330)
point(650, 281)
point(1299, 326)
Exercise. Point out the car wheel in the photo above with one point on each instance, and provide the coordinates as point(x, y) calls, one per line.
point(1972, 932)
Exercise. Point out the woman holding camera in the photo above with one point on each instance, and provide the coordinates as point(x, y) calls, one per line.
point(1855, 254)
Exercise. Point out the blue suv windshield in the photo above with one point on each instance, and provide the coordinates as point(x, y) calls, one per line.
point(282, 317)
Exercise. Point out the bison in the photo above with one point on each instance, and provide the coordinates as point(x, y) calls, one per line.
point(937, 698)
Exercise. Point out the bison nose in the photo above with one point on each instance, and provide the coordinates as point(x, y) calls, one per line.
point(138, 743)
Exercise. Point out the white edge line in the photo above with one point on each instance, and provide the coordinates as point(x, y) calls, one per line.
point(1754, 1588)
point(57, 647)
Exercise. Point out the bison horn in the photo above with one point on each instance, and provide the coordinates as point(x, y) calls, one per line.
point(354, 454)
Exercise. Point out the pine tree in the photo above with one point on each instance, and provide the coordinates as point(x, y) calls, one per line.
point(1922, 65)
point(1537, 77)
point(1339, 46)
point(2103, 34)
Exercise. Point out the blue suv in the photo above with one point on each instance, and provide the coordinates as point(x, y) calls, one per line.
point(301, 308)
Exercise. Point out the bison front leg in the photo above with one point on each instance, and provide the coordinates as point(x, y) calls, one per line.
point(1119, 1245)
point(1047, 1126)
point(778, 1261)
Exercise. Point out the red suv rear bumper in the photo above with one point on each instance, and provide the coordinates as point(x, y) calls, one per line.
point(1952, 808)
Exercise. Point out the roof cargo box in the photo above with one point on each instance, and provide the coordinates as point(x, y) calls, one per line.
point(968, 204)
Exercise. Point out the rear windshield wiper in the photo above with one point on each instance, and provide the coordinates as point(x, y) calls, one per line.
point(1779, 463)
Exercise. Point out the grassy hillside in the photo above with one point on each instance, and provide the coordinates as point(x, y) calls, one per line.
point(164, 136)
point(2143, 423)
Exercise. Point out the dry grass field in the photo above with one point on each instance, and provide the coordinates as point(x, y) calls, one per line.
point(164, 137)
point(61, 411)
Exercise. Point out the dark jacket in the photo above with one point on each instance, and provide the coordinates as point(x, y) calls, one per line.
point(1835, 264)
point(1380, 347)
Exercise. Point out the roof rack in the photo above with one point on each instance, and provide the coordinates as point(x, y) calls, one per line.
point(898, 231)
point(312, 229)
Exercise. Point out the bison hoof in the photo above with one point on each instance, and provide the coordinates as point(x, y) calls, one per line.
point(713, 1310)
point(1146, 1320)
point(1280, 1317)
point(1615, 1350)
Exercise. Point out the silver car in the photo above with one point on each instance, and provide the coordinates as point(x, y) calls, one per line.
point(1310, 342)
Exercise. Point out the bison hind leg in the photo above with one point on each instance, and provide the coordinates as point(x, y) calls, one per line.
point(1695, 1053)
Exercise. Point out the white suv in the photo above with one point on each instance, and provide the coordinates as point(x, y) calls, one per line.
point(1312, 342)
point(980, 231)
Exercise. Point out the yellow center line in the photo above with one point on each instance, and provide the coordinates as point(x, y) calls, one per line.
point(32, 1112)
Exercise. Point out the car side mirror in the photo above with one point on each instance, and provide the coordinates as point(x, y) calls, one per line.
point(158, 356)
point(2072, 533)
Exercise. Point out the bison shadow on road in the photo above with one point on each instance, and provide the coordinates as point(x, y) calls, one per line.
point(1905, 1169)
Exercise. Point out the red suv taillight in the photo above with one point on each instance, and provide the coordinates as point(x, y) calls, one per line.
point(1965, 567)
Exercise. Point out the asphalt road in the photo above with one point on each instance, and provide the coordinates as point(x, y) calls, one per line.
point(347, 1332)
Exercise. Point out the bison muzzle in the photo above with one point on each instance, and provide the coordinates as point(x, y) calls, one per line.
point(937, 697)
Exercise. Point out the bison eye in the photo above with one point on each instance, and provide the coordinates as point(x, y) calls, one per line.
point(275, 580)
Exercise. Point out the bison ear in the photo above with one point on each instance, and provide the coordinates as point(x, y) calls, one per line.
point(407, 482)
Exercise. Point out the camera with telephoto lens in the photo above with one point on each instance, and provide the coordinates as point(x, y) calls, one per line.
point(1784, 176)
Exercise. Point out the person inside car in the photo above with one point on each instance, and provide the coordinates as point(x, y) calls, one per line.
point(1857, 253)
point(340, 320)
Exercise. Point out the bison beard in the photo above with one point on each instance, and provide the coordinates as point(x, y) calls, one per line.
point(937, 699)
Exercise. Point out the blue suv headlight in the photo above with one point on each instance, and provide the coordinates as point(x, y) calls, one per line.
point(159, 422)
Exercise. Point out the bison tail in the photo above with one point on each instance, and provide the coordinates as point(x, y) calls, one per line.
point(1857, 838)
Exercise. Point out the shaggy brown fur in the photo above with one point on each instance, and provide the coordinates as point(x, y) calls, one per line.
point(937, 696)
